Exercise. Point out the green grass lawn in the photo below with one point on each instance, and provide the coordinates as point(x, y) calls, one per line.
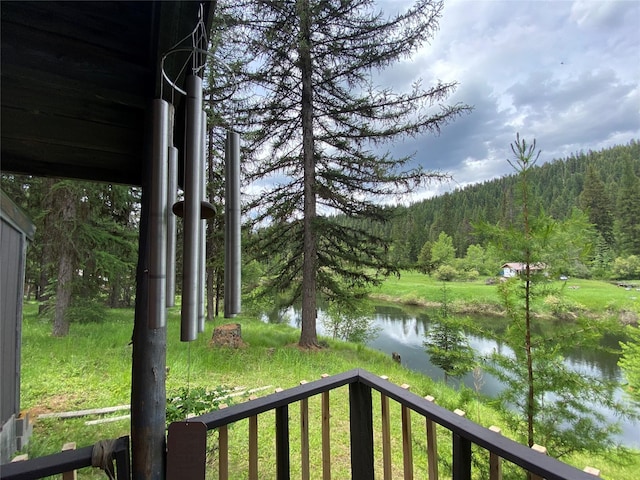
point(91, 368)
point(598, 297)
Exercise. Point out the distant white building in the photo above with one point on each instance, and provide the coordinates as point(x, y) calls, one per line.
point(513, 269)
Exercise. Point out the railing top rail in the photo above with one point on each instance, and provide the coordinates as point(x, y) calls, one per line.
point(57, 463)
point(48, 465)
point(264, 404)
point(535, 462)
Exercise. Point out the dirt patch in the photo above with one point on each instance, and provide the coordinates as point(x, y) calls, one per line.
point(55, 404)
point(311, 348)
point(628, 317)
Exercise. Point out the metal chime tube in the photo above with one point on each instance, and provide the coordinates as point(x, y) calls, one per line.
point(232, 271)
point(203, 233)
point(158, 219)
point(171, 218)
point(192, 201)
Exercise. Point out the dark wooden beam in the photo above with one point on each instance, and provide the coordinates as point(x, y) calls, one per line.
point(361, 426)
point(66, 461)
point(461, 458)
point(282, 443)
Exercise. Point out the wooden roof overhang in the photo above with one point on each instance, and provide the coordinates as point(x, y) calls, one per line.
point(77, 79)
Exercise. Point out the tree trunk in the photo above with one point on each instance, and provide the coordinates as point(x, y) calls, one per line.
point(308, 335)
point(63, 295)
point(219, 287)
point(115, 290)
point(210, 290)
point(531, 407)
point(67, 207)
point(47, 248)
point(530, 379)
point(42, 297)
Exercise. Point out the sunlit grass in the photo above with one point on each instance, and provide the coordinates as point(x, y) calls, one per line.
point(91, 368)
point(596, 296)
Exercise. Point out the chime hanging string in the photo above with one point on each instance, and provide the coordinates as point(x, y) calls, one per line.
point(188, 367)
point(197, 53)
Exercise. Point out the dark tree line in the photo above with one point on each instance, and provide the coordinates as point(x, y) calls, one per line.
point(84, 253)
point(604, 184)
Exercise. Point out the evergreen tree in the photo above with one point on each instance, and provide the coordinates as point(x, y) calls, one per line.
point(597, 204)
point(630, 363)
point(425, 258)
point(544, 401)
point(83, 255)
point(442, 251)
point(558, 187)
point(62, 220)
point(628, 207)
point(446, 344)
point(317, 126)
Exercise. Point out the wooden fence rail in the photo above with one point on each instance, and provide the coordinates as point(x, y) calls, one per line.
point(67, 462)
point(464, 432)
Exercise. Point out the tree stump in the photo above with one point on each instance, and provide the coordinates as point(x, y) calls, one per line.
point(228, 335)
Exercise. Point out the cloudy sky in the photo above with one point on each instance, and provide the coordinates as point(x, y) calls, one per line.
point(566, 73)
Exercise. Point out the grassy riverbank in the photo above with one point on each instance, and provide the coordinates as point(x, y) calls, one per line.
point(596, 297)
point(91, 368)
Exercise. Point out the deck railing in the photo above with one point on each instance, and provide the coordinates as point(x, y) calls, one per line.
point(70, 460)
point(187, 441)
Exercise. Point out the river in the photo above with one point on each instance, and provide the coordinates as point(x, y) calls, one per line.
point(403, 332)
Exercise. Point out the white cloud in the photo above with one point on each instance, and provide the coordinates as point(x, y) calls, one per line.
point(566, 73)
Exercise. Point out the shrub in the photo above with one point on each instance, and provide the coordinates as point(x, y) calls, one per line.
point(195, 401)
point(84, 310)
point(626, 268)
point(471, 275)
point(446, 273)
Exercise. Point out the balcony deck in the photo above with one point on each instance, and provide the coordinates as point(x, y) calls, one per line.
point(187, 440)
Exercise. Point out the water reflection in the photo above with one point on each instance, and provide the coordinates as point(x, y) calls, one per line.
point(404, 332)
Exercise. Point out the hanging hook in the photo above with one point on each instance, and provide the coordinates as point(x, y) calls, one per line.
point(197, 52)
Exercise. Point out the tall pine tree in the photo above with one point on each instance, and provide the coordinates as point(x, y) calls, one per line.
point(544, 401)
point(628, 206)
point(595, 201)
point(317, 126)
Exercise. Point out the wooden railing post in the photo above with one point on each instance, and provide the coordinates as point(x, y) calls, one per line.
point(186, 451)
point(407, 447)
point(593, 471)
point(326, 435)
point(432, 446)
point(495, 462)
point(253, 445)
point(361, 426)
point(122, 457)
point(304, 436)
point(72, 475)
point(223, 450)
point(386, 434)
point(543, 450)
point(461, 455)
point(283, 466)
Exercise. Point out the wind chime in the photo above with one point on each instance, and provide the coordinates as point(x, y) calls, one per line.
point(194, 209)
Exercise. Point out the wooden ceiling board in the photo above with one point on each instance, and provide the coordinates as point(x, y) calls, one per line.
point(77, 79)
point(24, 157)
point(89, 67)
point(64, 99)
point(112, 26)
